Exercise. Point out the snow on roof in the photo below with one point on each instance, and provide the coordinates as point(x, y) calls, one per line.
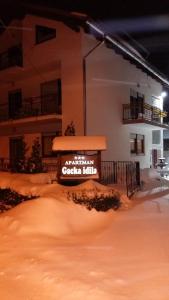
point(68, 143)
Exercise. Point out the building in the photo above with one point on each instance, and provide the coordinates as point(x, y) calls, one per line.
point(56, 74)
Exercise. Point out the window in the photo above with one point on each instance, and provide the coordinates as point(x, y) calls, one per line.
point(51, 97)
point(136, 144)
point(133, 143)
point(166, 144)
point(156, 136)
point(140, 144)
point(14, 103)
point(44, 33)
point(47, 140)
point(137, 104)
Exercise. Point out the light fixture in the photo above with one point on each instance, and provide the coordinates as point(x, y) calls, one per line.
point(163, 94)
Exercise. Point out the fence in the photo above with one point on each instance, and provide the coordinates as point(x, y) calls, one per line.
point(124, 173)
point(4, 164)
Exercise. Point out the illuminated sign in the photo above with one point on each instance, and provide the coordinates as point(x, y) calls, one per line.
point(79, 166)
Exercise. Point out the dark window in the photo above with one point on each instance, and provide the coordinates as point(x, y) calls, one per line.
point(137, 104)
point(136, 144)
point(166, 144)
point(51, 97)
point(14, 103)
point(44, 34)
point(16, 151)
point(12, 57)
point(47, 140)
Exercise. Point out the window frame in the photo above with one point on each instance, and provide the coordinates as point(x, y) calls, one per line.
point(166, 144)
point(57, 94)
point(40, 38)
point(51, 135)
point(138, 140)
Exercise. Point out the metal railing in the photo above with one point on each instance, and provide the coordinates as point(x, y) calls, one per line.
point(34, 106)
point(4, 164)
point(143, 112)
point(124, 173)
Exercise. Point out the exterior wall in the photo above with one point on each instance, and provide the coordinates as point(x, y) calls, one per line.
point(109, 79)
point(54, 51)
point(44, 62)
point(4, 149)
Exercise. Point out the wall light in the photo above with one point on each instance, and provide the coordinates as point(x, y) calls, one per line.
point(163, 94)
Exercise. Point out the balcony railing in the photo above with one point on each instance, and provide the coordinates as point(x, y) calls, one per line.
point(31, 107)
point(12, 57)
point(144, 112)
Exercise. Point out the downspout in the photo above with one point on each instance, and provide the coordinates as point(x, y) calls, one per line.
point(84, 83)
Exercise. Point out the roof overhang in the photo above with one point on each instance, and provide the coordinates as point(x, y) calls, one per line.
point(143, 64)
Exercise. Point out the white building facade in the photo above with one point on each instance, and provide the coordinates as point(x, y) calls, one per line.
point(52, 76)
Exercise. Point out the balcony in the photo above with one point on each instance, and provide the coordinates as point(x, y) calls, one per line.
point(11, 58)
point(31, 107)
point(144, 114)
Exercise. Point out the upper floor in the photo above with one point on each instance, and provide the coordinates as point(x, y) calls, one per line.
point(35, 42)
point(145, 111)
point(92, 77)
point(48, 103)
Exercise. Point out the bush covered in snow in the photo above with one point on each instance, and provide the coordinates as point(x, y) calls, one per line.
point(10, 198)
point(98, 201)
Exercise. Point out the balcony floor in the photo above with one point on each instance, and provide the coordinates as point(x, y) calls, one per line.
point(146, 124)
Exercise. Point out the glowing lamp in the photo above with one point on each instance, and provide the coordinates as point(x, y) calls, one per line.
point(163, 94)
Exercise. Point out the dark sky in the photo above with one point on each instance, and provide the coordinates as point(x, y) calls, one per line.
point(98, 9)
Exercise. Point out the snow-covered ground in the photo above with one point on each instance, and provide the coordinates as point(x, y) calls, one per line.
point(51, 248)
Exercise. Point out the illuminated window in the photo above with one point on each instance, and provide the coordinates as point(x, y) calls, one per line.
point(136, 144)
point(133, 143)
point(47, 140)
point(44, 33)
point(140, 144)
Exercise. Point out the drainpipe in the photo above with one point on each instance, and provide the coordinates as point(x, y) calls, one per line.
point(84, 82)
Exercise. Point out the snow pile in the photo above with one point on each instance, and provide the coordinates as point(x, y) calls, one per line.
point(27, 184)
point(150, 179)
point(50, 217)
point(37, 185)
point(53, 213)
point(54, 249)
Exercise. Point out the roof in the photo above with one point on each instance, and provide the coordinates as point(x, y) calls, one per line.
point(82, 143)
point(127, 53)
